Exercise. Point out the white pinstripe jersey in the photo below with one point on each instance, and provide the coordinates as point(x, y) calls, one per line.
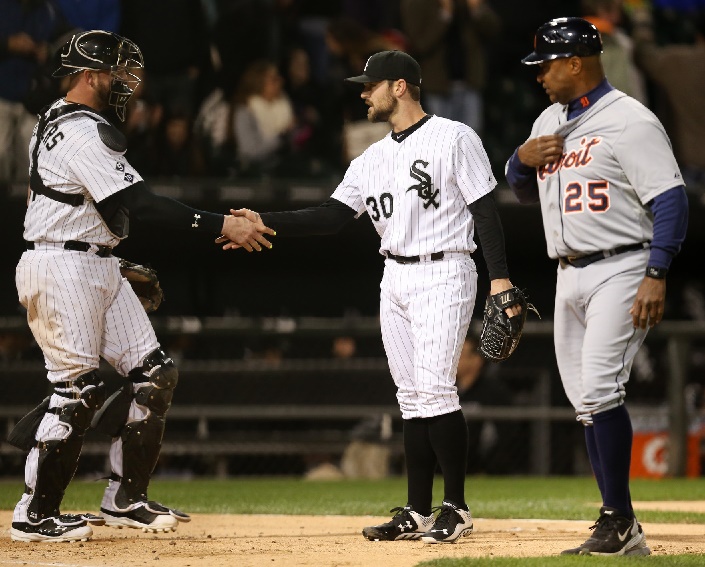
point(73, 159)
point(617, 157)
point(416, 190)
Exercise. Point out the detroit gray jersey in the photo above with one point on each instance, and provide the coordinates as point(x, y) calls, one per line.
point(411, 187)
point(72, 157)
point(617, 157)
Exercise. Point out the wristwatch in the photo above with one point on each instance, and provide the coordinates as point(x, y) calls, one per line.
point(656, 273)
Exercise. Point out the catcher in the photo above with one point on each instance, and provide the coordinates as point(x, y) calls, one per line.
point(83, 192)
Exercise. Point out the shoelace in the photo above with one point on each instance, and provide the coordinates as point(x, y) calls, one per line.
point(399, 510)
point(444, 517)
point(604, 523)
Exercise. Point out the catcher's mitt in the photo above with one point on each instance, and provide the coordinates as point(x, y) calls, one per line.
point(500, 333)
point(144, 282)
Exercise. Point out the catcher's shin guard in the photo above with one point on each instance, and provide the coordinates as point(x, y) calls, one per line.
point(58, 455)
point(142, 438)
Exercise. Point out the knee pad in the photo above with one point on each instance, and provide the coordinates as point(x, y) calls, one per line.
point(157, 377)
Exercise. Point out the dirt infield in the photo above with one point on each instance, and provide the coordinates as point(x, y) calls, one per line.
point(258, 540)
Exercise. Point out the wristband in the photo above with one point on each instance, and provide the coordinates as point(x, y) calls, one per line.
point(656, 273)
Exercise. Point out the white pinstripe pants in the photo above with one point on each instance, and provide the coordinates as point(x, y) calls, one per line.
point(79, 309)
point(425, 311)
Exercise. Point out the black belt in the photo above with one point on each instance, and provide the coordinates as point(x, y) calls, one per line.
point(102, 251)
point(412, 259)
point(582, 261)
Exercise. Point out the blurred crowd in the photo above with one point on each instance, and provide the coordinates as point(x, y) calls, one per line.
point(243, 88)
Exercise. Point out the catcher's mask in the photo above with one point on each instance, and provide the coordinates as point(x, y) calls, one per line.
point(564, 37)
point(105, 51)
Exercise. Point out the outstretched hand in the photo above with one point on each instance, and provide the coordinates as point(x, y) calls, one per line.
point(244, 229)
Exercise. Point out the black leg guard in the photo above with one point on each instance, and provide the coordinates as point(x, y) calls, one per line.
point(141, 443)
point(142, 440)
point(58, 458)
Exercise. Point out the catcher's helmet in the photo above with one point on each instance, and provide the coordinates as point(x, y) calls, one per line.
point(105, 51)
point(564, 37)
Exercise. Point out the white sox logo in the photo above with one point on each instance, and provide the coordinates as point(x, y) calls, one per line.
point(424, 188)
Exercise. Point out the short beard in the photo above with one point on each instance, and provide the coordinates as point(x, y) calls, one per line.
point(384, 112)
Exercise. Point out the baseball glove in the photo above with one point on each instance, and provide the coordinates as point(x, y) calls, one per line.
point(145, 284)
point(500, 333)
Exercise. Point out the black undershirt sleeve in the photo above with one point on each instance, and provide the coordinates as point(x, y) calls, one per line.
point(151, 208)
point(326, 218)
point(488, 227)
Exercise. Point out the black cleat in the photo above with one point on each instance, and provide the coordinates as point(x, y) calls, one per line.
point(149, 516)
point(613, 535)
point(406, 524)
point(67, 527)
point(453, 522)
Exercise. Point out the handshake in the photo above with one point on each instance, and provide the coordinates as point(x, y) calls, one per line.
point(243, 228)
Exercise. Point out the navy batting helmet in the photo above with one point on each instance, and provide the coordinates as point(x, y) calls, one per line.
point(104, 51)
point(564, 37)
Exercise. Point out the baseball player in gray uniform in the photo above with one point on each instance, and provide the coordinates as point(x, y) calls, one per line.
point(80, 309)
point(615, 214)
point(426, 186)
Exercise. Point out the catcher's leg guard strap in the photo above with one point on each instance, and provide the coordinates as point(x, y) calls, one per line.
point(111, 418)
point(58, 457)
point(23, 434)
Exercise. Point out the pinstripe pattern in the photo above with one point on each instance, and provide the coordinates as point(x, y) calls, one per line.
point(416, 192)
point(78, 163)
point(459, 169)
point(425, 311)
point(79, 308)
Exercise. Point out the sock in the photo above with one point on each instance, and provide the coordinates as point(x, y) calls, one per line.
point(420, 465)
point(594, 457)
point(449, 439)
point(613, 438)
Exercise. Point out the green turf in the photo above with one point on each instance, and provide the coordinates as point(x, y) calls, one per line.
point(496, 497)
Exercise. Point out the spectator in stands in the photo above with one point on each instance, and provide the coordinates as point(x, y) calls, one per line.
point(26, 29)
point(141, 128)
point(617, 47)
point(176, 153)
point(173, 37)
point(350, 45)
point(448, 40)
point(214, 133)
point(315, 138)
point(93, 15)
point(677, 70)
point(263, 118)
point(495, 446)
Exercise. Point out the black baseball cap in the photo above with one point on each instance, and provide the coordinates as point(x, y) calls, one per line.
point(390, 65)
point(564, 37)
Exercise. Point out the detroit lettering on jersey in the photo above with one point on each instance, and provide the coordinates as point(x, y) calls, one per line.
point(410, 184)
point(574, 158)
